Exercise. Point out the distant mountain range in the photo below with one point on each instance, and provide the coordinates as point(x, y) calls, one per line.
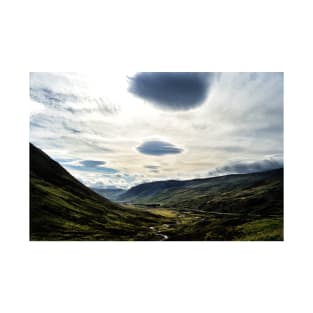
point(109, 193)
point(238, 189)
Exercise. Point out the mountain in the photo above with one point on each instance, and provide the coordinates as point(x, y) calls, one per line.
point(232, 207)
point(62, 208)
point(174, 192)
point(146, 191)
point(109, 193)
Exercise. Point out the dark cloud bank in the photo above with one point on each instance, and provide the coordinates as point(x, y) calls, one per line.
point(244, 167)
point(172, 90)
point(156, 147)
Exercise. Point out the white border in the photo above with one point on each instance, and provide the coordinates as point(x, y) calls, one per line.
point(156, 36)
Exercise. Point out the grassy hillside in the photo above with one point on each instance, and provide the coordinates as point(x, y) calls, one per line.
point(61, 208)
point(233, 207)
point(179, 192)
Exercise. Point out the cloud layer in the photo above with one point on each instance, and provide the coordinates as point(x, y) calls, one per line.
point(244, 166)
point(172, 91)
point(239, 124)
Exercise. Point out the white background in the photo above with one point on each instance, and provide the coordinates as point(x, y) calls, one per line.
point(155, 276)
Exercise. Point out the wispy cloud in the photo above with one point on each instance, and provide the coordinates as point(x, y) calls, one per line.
point(73, 103)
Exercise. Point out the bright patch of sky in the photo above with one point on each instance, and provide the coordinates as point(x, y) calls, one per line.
point(121, 129)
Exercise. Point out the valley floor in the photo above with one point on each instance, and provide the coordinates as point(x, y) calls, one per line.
point(202, 225)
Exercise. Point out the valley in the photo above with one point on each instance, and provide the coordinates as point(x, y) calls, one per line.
point(226, 208)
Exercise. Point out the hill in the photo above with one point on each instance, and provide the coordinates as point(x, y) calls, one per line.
point(233, 207)
point(201, 191)
point(62, 208)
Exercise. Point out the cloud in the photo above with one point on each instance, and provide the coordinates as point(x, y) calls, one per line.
point(92, 163)
point(71, 102)
point(100, 180)
point(156, 147)
point(34, 124)
point(102, 185)
point(228, 148)
point(172, 91)
point(71, 129)
point(97, 169)
point(244, 166)
point(49, 97)
point(91, 166)
point(153, 168)
point(64, 160)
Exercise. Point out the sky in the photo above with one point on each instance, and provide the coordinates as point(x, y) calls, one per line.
point(117, 130)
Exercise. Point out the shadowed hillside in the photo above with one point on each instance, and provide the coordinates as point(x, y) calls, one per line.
point(61, 208)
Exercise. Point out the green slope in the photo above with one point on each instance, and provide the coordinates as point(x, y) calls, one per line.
point(61, 208)
point(212, 193)
point(233, 207)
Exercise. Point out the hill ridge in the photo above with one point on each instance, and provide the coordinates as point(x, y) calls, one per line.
point(144, 189)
